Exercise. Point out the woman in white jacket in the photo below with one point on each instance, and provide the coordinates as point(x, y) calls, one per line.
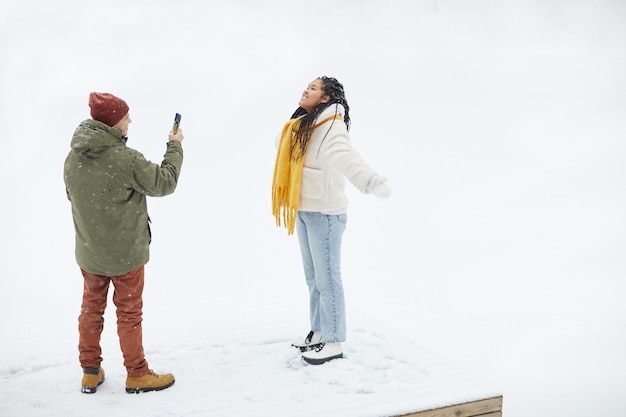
point(314, 159)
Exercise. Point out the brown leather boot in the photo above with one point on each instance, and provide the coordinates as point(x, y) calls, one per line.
point(149, 382)
point(92, 377)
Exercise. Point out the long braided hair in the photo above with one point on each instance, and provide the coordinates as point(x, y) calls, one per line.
point(332, 88)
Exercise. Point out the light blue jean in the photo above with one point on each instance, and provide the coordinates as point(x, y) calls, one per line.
point(320, 244)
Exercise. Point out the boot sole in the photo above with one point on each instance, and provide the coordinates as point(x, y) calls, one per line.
point(322, 360)
point(140, 390)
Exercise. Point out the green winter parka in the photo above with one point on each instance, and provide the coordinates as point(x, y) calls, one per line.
point(107, 184)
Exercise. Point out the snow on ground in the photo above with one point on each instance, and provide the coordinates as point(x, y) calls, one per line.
point(500, 126)
point(254, 371)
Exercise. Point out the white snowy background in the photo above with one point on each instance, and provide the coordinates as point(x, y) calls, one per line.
point(500, 124)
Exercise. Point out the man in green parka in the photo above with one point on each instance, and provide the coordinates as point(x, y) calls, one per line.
point(107, 184)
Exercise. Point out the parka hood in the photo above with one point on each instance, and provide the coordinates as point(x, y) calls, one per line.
point(92, 137)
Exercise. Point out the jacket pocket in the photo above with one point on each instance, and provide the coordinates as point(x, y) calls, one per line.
point(312, 183)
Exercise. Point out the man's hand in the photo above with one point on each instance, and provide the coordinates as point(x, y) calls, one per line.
point(178, 137)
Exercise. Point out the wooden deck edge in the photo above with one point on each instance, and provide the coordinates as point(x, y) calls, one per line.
point(490, 407)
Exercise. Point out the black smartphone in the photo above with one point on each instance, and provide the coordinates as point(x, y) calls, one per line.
point(176, 123)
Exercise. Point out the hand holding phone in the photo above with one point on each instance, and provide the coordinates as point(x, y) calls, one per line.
point(176, 123)
point(176, 134)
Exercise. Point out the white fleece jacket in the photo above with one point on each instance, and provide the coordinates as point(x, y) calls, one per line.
point(329, 160)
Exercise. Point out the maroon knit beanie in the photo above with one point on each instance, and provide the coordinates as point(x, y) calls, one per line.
point(107, 108)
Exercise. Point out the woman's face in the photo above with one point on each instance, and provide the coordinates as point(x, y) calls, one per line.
point(313, 95)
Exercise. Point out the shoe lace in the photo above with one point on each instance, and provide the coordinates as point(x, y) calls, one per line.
point(320, 347)
point(309, 337)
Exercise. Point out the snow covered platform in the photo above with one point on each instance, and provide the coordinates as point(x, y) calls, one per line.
point(254, 372)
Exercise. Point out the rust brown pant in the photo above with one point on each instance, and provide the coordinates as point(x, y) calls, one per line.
point(127, 297)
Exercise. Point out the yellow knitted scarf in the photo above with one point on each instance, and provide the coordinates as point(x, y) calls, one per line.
point(288, 176)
